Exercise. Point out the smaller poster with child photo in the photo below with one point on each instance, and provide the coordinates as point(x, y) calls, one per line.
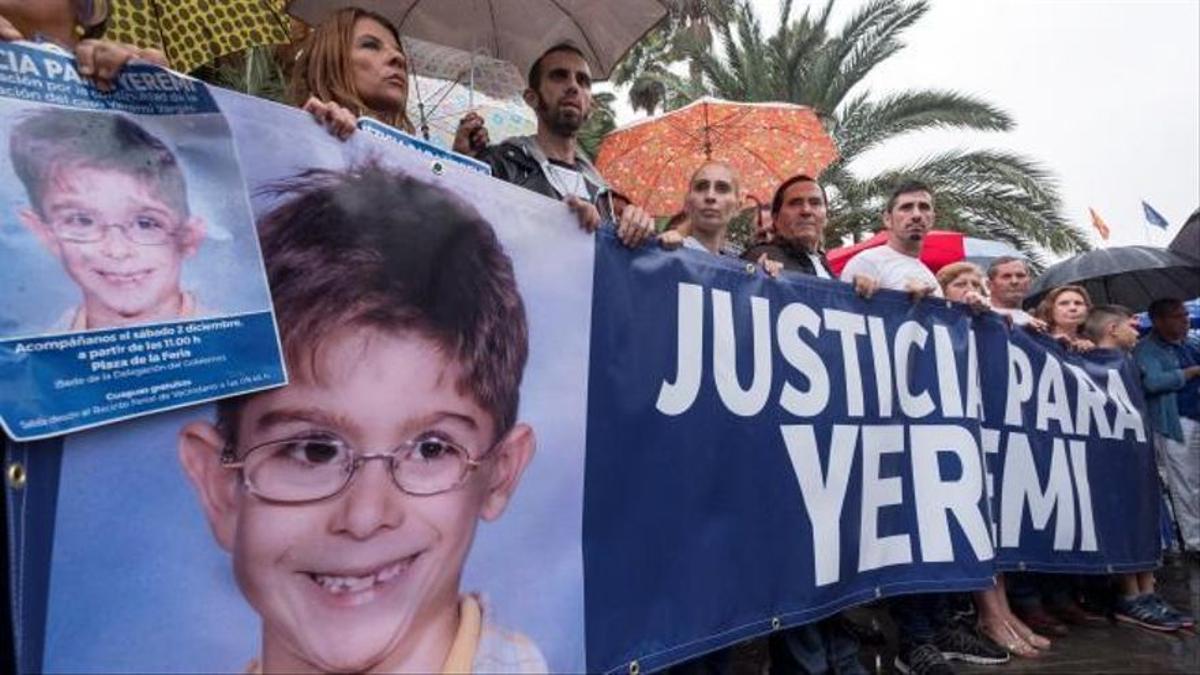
point(132, 274)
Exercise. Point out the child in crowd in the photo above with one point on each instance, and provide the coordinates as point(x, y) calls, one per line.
point(1115, 327)
point(109, 200)
point(406, 341)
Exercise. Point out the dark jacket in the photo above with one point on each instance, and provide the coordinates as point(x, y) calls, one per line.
point(520, 161)
point(792, 258)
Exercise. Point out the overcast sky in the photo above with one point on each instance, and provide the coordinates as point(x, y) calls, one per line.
point(1106, 94)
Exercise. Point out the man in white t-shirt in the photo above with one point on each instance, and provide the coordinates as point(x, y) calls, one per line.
point(897, 265)
point(928, 637)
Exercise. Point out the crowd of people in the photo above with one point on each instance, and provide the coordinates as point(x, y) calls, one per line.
point(354, 65)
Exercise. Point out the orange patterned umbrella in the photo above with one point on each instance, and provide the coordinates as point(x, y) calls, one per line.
point(652, 161)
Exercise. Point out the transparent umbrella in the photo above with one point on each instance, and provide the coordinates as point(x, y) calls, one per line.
point(448, 83)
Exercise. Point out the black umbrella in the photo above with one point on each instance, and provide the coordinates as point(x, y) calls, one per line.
point(1133, 276)
point(1187, 241)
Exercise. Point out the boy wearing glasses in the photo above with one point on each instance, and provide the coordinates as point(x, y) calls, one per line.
point(108, 199)
point(349, 498)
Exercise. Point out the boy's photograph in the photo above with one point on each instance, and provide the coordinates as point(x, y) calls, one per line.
point(106, 223)
point(349, 499)
point(411, 501)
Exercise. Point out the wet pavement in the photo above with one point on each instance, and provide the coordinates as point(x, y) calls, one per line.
point(1111, 647)
point(1104, 646)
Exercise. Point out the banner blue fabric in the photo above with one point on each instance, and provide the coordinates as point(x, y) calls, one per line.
point(1073, 477)
point(776, 478)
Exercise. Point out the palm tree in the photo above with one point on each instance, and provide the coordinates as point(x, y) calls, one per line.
point(602, 120)
point(986, 193)
point(687, 29)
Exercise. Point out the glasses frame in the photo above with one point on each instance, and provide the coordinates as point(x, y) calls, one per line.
point(103, 228)
point(229, 460)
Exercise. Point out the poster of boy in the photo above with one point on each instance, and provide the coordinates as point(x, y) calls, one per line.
point(406, 344)
point(133, 279)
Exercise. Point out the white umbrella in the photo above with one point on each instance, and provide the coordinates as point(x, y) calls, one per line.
point(517, 31)
point(491, 77)
point(438, 105)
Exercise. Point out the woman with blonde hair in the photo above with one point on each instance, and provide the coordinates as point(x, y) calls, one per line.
point(353, 65)
point(963, 282)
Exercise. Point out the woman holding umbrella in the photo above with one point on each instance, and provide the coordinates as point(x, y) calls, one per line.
point(353, 64)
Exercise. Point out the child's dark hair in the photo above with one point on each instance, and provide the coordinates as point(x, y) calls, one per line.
point(47, 141)
point(376, 249)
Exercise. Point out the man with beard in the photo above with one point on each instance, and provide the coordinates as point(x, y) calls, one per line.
point(928, 637)
point(897, 265)
point(550, 161)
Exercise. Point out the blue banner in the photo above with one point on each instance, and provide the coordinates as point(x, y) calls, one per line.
point(1070, 470)
point(763, 453)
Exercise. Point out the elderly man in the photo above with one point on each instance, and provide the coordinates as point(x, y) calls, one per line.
point(1008, 281)
point(550, 162)
point(798, 212)
point(799, 215)
point(1170, 365)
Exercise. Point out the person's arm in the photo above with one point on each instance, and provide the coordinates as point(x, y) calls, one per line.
point(862, 275)
point(337, 120)
point(766, 256)
point(493, 156)
point(9, 32)
point(670, 240)
point(471, 137)
point(100, 61)
point(1157, 379)
point(635, 226)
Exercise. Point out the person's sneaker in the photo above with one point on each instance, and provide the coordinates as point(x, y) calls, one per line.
point(961, 643)
point(1145, 612)
point(1185, 620)
point(922, 659)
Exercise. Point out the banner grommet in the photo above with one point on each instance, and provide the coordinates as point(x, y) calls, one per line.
point(776, 623)
point(634, 668)
point(16, 476)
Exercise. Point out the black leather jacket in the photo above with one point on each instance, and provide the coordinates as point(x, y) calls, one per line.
point(520, 160)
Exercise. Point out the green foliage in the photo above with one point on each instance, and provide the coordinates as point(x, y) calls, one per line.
point(989, 194)
point(602, 121)
point(254, 71)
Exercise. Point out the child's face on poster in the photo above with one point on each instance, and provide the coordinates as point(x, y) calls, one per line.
point(121, 243)
point(359, 580)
